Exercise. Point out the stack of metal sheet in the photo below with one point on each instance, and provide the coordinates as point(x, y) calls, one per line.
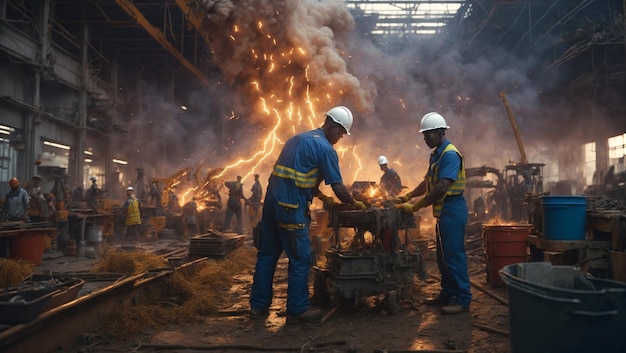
point(214, 244)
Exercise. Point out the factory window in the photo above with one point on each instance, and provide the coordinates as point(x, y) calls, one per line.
point(55, 154)
point(8, 154)
point(7, 160)
point(617, 151)
point(590, 163)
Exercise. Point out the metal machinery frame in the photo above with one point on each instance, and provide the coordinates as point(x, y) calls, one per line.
point(384, 266)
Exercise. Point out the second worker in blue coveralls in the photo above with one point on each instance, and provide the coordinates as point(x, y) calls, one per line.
point(306, 160)
point(444, 185)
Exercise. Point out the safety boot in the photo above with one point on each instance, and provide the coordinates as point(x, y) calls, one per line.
point(307, 316)
point(258, 314)
point(437, 301)
point(454, 309)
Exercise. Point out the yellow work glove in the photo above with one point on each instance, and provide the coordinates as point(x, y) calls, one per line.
point(408, 208)
point(419, 204)
point(327, 200)
point(405, 207)
point(404, 198)
point(359, 205)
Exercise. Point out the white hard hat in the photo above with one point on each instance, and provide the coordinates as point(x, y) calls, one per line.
point(382, 160)
point(342, 116)
point(130, 188)
point(432, 121)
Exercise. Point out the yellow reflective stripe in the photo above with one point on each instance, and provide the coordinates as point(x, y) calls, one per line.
point(291, 226)
point(288, 205)
point(302, 180)
point(456, 188)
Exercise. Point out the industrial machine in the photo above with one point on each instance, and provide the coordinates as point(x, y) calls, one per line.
point(511, 194)
point(375, 262)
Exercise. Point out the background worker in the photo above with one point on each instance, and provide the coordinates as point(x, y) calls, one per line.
point(77, 196)
point(37, 209)
point(154, 197)
point(190, 217)
point(305, 160)
point(444, 185)
point(233, 206)
point(254, 202)
point(14, 208)
point(390, 181)
point(132, 214)
point(172, 201)
point(92, 194)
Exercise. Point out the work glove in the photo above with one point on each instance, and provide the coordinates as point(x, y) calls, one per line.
point(405, 207)
point(404, 198)
point(359, 205)
point(408, 208)
point(419, 204)
point(327, 200)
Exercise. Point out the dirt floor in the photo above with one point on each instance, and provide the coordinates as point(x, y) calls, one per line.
point(364, 327)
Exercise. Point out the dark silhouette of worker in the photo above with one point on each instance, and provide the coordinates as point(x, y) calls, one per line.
point(154, 197)
point(172, 201)
point(233, 207)
point(190, 216)
point(254, 202)
point(37, 209)
point(92, 194)
point(77, 196)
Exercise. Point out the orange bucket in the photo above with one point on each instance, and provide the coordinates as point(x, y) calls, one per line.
point(28, 247)
point(504, 245)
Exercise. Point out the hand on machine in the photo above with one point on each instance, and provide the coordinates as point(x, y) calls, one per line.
point(404, 198)
point(359, 205)
point(328, 201)
point(410, 208)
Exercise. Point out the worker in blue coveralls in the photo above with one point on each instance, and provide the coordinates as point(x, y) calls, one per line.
point(306, 160)
point(444, 185)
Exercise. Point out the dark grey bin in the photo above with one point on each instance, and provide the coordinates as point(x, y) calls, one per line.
point(557, 309)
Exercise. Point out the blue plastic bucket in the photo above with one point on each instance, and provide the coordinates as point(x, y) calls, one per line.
point(564, 217)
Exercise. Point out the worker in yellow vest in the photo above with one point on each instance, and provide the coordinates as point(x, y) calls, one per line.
point(132, 214)
point(443, 188)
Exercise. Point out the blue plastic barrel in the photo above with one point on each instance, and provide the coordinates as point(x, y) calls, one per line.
point(564, 217)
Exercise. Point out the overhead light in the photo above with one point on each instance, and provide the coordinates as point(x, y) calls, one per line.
point(88, 153)
point(87, 160)
point(5, 132)
point(183, 107)
point(57, 145)
point(5, 129)
point(119, 161)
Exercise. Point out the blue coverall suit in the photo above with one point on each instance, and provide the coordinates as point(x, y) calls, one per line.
point(305, 159)
point(451, 213)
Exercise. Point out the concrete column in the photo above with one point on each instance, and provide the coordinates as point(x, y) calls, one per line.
point(82, 109)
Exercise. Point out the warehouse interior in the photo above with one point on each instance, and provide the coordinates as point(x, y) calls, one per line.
point(80, 84)
point(174, 100)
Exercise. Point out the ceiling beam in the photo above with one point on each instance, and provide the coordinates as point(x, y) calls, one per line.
point(134, 13)
point(195, 20)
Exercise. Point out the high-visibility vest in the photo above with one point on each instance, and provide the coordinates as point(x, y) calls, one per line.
point(132, 212)
point(455, 188)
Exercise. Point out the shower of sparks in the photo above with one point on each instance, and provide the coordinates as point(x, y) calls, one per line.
point(289, 71)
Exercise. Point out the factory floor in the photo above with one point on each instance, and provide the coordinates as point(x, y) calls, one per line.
point(58, 261)
point(365, 327)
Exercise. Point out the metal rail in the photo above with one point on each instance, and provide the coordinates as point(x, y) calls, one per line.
point(60, 328)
